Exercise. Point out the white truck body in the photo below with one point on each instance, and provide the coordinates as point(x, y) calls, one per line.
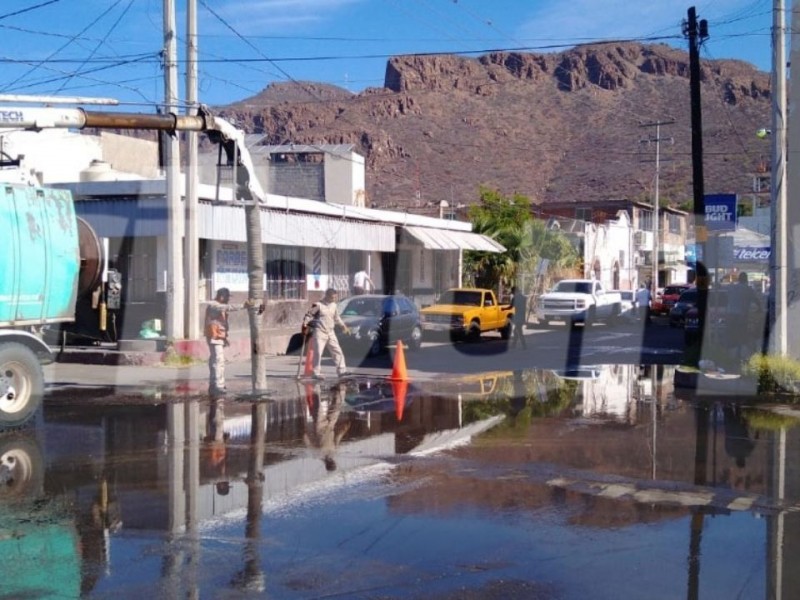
point(576, 301)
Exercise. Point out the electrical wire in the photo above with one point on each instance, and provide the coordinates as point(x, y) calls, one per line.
point(58, 50)
point(99, 43)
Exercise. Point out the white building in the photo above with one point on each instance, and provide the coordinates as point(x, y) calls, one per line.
point(311, 242)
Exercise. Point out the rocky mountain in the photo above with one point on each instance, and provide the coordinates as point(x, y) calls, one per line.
point(553, 127)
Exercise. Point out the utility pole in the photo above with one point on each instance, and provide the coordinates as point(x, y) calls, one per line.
point(778, 258)
point(192, 250)
point(175, 216)
point(789, 229)
point(697, 33)
point(656, 216)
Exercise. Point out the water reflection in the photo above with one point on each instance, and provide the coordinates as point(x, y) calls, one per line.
point(608, 447)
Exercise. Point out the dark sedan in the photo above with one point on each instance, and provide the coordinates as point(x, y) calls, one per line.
point(686, 301)
point(376, 321)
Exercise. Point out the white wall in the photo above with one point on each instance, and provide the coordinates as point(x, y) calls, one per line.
point(345, 179)
point(58, 155)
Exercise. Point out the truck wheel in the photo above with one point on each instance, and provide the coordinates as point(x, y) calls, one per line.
point(21, 385)
point(415, 341)
point(505, 331)
point(375, 346)
point(474, 332)
point(21, 467)
point(616, 313)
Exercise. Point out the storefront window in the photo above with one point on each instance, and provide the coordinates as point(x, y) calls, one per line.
point(285, 273)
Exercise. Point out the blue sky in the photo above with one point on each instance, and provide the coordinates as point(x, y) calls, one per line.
point(110, 48)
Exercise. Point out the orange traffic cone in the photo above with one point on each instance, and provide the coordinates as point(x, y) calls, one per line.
point(308, 371)
point(399, 368)
point(399, 389)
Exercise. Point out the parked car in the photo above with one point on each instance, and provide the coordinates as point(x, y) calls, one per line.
point(377, 320)
point(467, 313)
point(716, 318)
point(663, 302)
point(578, 301)
point(686, 301)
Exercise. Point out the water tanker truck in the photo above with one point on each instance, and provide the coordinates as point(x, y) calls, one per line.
point(50, 259)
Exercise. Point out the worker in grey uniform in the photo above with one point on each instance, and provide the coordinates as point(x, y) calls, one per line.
point(322, 319)
point(216, 331)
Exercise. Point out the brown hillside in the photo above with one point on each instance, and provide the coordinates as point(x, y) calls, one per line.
point(553, 127)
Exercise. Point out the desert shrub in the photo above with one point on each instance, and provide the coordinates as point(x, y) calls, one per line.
point(774, 373)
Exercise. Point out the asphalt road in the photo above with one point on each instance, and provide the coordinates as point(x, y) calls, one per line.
point(552, 347)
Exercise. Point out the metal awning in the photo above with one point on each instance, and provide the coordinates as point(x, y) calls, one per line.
point(281, 228)
point(448, 239)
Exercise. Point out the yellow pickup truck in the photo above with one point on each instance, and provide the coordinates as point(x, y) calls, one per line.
point(466, 313)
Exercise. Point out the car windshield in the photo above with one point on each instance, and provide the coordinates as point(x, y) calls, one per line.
point(688, 297)
point(573, 287)
point(461, 298)
point(362, 307)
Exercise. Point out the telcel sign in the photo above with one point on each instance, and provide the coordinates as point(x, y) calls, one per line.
point(720, 212)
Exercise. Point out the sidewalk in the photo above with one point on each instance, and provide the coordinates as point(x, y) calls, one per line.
point(98, 370)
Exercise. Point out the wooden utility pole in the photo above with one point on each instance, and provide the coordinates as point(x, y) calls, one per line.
point(697, 33)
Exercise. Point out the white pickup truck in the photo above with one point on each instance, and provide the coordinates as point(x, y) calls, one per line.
point(578, 301)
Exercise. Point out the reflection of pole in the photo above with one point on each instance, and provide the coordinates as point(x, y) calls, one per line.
point(700, 468)
point(252, 577)
point(176, 518)
point(192, 413)
point(776, 530)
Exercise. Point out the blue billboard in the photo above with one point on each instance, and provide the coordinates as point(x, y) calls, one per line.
point(720, 212)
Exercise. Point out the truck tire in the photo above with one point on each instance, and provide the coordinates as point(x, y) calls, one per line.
point(474, 331)
point(505, 330)
point(415, 341)
point(21, 467)
point(21, 385)
point(375, 345)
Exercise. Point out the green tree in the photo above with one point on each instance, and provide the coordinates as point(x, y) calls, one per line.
point(527, 240)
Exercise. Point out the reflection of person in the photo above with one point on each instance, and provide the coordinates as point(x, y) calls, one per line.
point(362, 283)
point(738, 444)
point(520, 305)
point(216, 452)
point(216, 331)
point(322, 319)
point(324, 435)
point(643, 303)
point(741, 300)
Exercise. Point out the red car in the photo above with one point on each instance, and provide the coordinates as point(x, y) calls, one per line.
point(664, 301)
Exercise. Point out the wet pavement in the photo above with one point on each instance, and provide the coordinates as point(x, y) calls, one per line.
point(586, 481)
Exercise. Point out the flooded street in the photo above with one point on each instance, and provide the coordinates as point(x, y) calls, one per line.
point(601, 482)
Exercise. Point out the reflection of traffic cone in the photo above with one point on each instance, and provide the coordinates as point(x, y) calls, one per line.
point(308, 371)
point(399, 389)
point(309, 396)
point(399, 368)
